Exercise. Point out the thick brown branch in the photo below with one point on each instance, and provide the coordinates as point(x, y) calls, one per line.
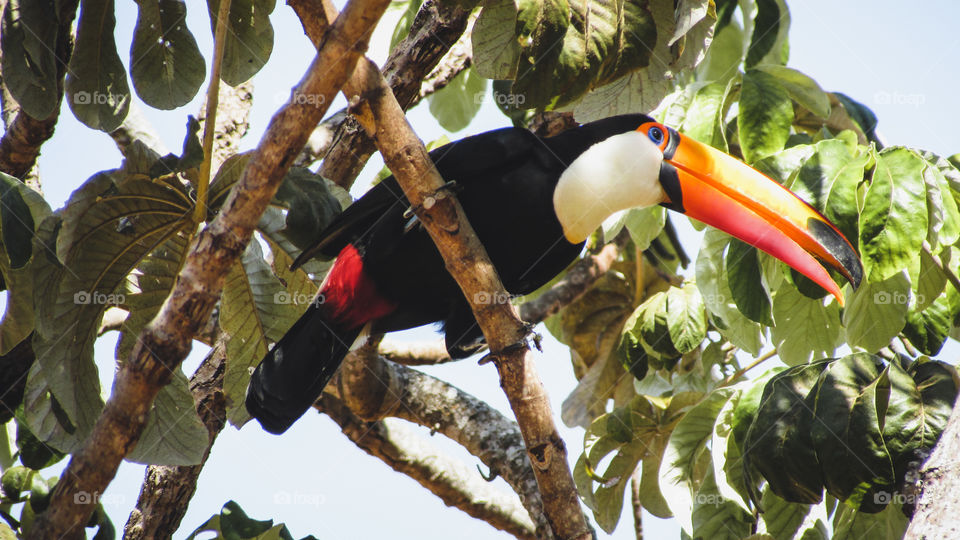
point(468, 263)
point(24, 135)
point(456, 484)
point(437, 26)
point(167, 490)
point(166, 340)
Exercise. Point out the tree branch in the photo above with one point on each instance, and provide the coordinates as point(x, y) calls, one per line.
point(374, 389)
point(937, 505)
point(456, 484)
point(24, 135)
point(468, 263)
point(165, 341)
point(437, 26)
point(167, 490)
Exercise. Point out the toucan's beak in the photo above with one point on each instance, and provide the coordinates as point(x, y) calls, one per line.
point(723, 192)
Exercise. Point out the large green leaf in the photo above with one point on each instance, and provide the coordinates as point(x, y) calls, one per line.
point(929, 282)
point(108, 225)
point(877, 312)
point(893, 224)
point(927, 330)
point(829, 179)
point(685, 459)
point(804, 90)
point(686, 318)
point(256, 309)
point(727, 459)
point(232, 523)
point(643, 89)
point(746, 285)
point(778, 442)
point(770, 26)
point(718, 518)
point(96, 84)
point(28, 39)
point(850, 524)
point(174, 434)
point(723, 58)
point(849, 404)
point(766, 114)
point(644, 224)
point(496, 51)
point(943, 217)
point(805, 327)
point(787, 520)
point(704, 120)
point(541, 26)
point(165, 64)
point(311, 205)
point(714, 287)
point(455, 105)
point(249, 38)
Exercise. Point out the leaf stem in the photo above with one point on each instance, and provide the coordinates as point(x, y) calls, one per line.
point(740, 372)
point(210, 120)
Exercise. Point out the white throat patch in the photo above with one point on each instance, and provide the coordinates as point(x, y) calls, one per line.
point(617, 173)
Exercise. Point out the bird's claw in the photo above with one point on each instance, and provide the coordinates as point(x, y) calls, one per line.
point(431, 199)
point(529, 337)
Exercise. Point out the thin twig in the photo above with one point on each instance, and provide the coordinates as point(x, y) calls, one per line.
point(742, 371)
point(213, 99)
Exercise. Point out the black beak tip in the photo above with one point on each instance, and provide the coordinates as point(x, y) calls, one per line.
point(839, 247)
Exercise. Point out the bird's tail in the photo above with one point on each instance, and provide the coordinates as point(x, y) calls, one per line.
point(292, 375)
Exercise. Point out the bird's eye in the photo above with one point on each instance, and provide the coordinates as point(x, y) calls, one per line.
point(656, 135)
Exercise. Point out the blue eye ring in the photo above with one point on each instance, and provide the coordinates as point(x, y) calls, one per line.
point(656, 135)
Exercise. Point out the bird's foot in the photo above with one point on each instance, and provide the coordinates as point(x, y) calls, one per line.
point(430, 200)
point(529, 337)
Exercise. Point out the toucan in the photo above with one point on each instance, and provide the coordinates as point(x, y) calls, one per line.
point(533, 201)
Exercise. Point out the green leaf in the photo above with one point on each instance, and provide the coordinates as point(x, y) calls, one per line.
point(778, 441)
point(685, 460)
point(829, 181)
point(96, 84)
point(109, 224)
point(805, 327)
point(766, 114)
point(165, 64)
point(255, 309)
point(714, 287)
point(686, 318)
point(849, 404)
point(406, 21)
point(496, 50)
point(927, 330)
point(33, 453)
point(724, 56)
point(455, 105)
point(943, 217)
point(876, 312)
point(649, 77)
point(892, 226)
point(727, 459)
point(804, 90)
point(541, 25)
point(746, 284)
point(704, 118)
point(929, 282)
point(644, 224)
point(786, 519)
point(860, 114)
point(310, 202)
point(849, 524)
point(249, 38)
point(768, 42)
point(717, 518)
point(921, 400)
point(174, 434)
point(234, 524)
point(28, 38)
point(16, 221)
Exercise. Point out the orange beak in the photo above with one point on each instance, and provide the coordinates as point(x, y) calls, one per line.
point(723, 192)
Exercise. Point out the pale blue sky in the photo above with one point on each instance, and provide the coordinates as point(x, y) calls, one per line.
point(900, 61)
